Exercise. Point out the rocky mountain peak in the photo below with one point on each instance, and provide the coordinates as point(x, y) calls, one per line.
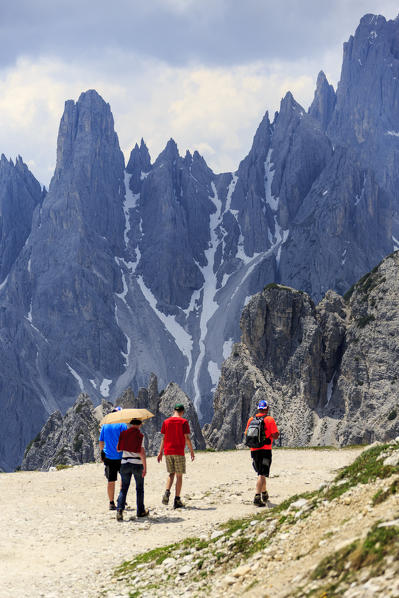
point(367, 93)
point(138, 166)
point(139, 159)
point(86, 133)
point(324, 100)
point(169, 155)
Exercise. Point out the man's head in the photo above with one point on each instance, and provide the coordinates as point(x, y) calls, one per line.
point(263, 406)
point(135, 422)
point(117, 408)
point(179, 408)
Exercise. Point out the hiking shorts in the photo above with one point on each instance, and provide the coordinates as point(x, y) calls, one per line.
point(112, 466)
point(175, 463)
point(261, 461)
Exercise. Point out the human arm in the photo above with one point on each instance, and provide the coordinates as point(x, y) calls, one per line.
point(160, 454)
point(101, 444)
point(273, 430)
point(190, 446)
point(143, 460)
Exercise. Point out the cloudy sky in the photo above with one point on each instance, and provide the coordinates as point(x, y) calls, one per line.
point(201, 71)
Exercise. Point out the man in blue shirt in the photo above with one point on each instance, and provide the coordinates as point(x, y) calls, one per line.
point(108, 442)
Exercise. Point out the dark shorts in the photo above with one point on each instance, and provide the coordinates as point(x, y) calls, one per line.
point(112, 466)
point(261, 461)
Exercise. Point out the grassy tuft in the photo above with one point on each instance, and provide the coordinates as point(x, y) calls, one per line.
point(366, 468)
point(382, 495)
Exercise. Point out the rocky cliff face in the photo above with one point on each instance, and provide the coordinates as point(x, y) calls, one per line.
point(328, 372)
point(67, 440)
point(72, 439)
point(20, 194)
point(119, 272)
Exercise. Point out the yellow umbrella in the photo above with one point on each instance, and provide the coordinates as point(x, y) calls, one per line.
point(124, 416)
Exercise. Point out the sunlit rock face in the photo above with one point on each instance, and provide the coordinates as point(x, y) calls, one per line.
point(329, 372)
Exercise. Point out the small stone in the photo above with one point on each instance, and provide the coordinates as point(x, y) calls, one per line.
point(185, 569)
point(217, 534)
point(169, 562)
point(241, 571)
point(298, 504)
point(393, 460)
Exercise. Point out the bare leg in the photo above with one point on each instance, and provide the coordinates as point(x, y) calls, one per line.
point(111, 490)
point(169, 481)
point(261, 484)
point(179, 483)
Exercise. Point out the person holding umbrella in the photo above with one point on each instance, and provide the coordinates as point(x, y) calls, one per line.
point(111, 457)
point(131, 443)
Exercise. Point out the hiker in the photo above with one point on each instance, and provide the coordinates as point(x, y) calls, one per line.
point(259, 437)
point(133, 463)
point(110, 456)
point(176, 433)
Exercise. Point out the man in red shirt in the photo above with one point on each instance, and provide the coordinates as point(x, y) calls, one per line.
point(262, 457)
point(133, 464)
point(176, 433)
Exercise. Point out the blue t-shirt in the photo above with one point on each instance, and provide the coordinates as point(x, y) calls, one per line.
point(110, 435)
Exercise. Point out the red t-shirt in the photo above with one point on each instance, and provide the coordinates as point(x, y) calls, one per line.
point(270, 428)
point(174, 430)
point(131, 440)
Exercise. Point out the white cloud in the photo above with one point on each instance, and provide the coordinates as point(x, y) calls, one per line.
point(214, 110)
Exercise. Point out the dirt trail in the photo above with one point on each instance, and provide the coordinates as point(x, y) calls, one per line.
point(58, 539)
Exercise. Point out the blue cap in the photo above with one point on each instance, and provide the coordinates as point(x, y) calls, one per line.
point(263, 405)
point(117, 408)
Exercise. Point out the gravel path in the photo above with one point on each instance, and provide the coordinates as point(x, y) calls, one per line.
point(57, 538)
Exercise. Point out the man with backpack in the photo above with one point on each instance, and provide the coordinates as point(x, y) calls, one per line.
point(260, 432)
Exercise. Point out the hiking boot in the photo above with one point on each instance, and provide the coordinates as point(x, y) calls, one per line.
point(178, 503)
point(165, 498)
point(258, 501)
point(265, 496)
point(145, 513)
point(119, 515)
point(112, 505)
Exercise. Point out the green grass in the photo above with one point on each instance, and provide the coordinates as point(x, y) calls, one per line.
point(379, 542)
point(158, 555)
point(344, 564)
point(383, 495)
point(366, 468)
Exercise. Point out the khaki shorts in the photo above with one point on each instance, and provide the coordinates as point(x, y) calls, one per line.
point(175, 463)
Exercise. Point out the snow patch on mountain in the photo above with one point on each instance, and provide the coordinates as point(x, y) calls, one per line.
point(104, 387)
point(76, 376)
point(209, 304)
point(227, 347)
point(181, 337)
point(130, 203)
point(271, 201)
point(214, 372)
point(230, 191)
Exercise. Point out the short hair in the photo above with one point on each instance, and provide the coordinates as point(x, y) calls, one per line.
point(179, 407)
point(135, 422)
